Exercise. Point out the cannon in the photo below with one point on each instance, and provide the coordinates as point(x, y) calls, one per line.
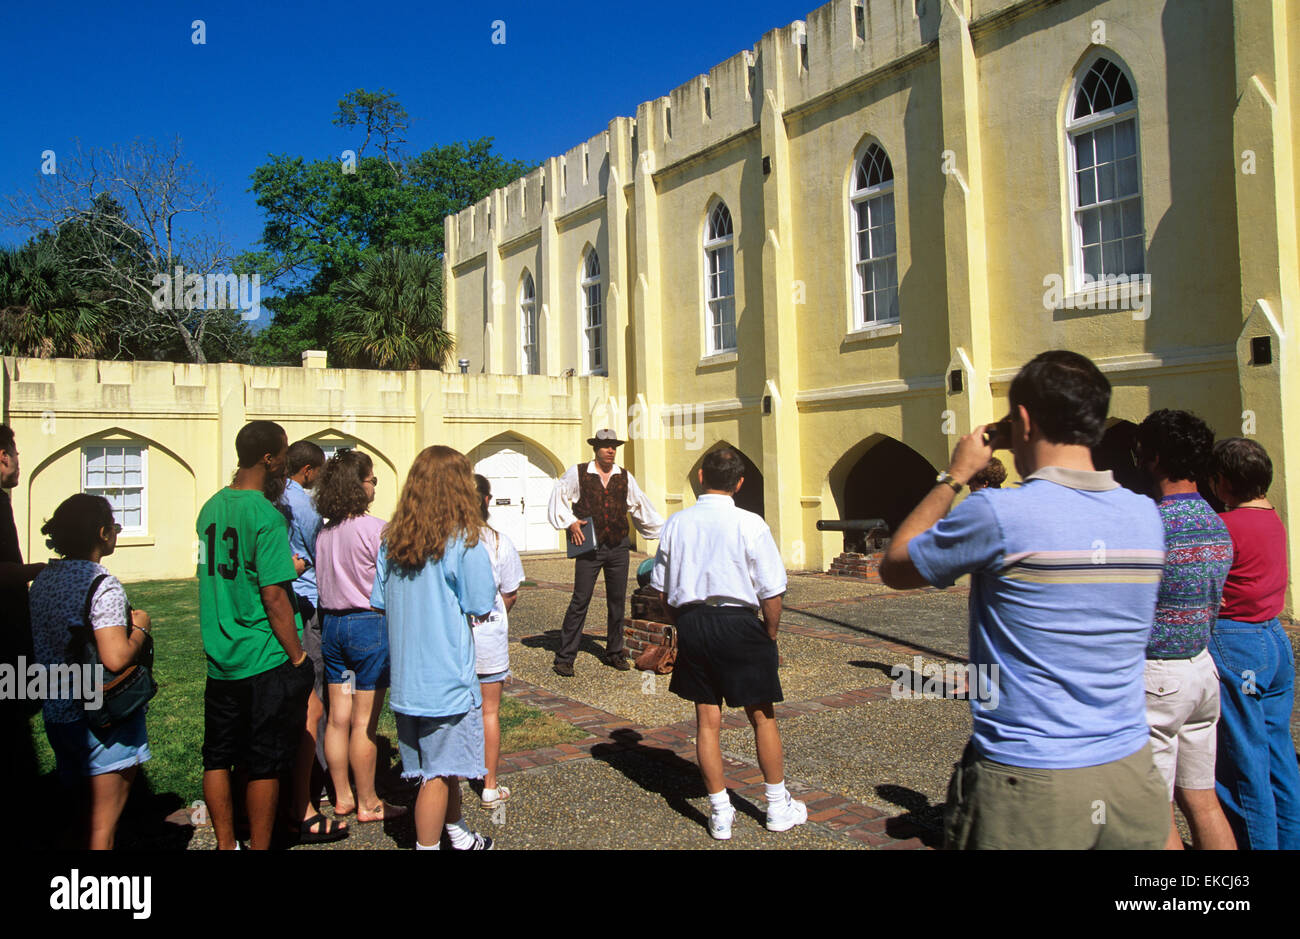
point(858, 532)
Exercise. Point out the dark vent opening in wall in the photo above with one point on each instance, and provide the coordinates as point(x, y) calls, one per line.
point(860, 22)
point(955, 382)
point(668, 120)
point(767, 165)
point(1261, 350)
point(708, 102)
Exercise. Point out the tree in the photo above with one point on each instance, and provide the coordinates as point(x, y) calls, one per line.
point(47, 310)
point(392, 313)
point(380, 114)
point(121, 218)
point(323, 224)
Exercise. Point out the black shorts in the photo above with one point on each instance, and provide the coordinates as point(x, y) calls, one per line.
point(724, 655)
point(255, 723)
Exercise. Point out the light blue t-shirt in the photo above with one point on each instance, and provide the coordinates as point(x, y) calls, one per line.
point(1064, 575)
point(304, 527)
point(429, 640)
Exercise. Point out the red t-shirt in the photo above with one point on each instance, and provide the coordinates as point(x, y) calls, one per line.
point(1256, 586)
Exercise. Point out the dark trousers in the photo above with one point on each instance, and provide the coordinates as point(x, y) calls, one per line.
point(614, 560)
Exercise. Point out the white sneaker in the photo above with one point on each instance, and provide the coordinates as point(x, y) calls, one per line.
point(720, 823)
point(783, 817)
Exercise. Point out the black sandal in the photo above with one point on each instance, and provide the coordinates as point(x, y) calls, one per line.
point(332, 831)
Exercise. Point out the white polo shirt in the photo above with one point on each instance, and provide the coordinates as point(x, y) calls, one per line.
point(716, 553)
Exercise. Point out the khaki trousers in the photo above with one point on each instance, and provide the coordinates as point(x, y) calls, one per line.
point(1114, 806)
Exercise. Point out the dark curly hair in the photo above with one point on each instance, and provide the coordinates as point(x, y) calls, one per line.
point(992, 476)
point(73, 530)
point(1181, 441)
point(340, 493)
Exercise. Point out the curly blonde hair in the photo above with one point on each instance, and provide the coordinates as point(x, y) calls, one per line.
point(438, 503)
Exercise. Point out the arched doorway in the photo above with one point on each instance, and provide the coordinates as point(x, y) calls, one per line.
point(887, 482)
point(522, 478)
point(750, 496)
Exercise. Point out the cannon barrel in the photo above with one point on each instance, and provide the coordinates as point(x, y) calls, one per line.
point(862, 524)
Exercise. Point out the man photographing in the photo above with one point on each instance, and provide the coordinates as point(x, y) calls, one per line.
point(1064, 574)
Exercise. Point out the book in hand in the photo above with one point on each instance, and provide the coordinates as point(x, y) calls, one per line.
point(588, 539)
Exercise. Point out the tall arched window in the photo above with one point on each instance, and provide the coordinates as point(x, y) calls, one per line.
point(528, 325)
point(875, 250)
point(593, 333)
point(1107, 234)
point(720, 281)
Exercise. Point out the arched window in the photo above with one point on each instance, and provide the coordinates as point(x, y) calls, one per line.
point(593, 333)
point(875, 250)
point(720, 281)
point(528, 324)
point(1107, 234)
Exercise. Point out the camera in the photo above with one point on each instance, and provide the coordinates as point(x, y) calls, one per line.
point(998, 436)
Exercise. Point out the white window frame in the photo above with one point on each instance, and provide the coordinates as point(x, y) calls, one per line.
point(719, 307)
point(528, 345)
point(1080, 280)
point(123, 445)
point(881, 195)
point(593, 327)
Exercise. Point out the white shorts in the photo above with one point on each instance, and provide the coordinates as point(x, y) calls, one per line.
point(1183, 711)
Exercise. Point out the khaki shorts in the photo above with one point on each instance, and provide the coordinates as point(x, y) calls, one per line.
point(1119, 805)
point(1183, 711)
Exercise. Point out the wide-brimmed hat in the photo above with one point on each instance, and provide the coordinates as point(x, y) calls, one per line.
point(605, 438)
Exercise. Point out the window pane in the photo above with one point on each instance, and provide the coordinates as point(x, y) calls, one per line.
point(1087, 187)
point(1092, 262)
point(893, 272)
point(1126, 138)
point(1128, 176)
point(1083, 151)
point(888, 202)
point(133, 478)
point(1105, 183)
point(892, 308)
point(890, 244)
point(878, 242)
point(1133, 259)
point(1090, 223)
point(1133, 217)
point(1110, 222)
point(864, 245)
point(1105, 137)
point(1112, 258)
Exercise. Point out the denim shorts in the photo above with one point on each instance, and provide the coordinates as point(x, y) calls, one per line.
point(494, 677)
point(79, 752)
point(356, 643)
point(441, 746)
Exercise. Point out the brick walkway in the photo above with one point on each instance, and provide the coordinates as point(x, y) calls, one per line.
point(676, 741)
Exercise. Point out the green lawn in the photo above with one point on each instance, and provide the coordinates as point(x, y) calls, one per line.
point(176, 713)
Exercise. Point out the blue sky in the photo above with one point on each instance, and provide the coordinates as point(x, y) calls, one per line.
point(269, 77)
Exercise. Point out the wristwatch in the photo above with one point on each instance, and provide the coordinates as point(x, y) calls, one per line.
point(947, 479)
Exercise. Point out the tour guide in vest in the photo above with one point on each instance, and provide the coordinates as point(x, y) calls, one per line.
point(604, 492)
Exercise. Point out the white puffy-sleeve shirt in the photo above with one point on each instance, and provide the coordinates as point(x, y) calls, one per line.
point(560, 511)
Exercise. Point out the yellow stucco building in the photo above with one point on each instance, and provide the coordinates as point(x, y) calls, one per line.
point(833, 252)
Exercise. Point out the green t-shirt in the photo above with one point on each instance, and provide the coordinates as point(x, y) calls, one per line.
point(243, 546)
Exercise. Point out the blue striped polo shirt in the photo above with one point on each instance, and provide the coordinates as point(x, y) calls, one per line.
point(1064, 569)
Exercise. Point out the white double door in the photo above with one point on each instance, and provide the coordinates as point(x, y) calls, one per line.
point(521, 491)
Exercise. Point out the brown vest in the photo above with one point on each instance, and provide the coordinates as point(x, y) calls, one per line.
point(606, 506)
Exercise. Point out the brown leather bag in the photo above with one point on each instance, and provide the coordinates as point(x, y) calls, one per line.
point(660, 657)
